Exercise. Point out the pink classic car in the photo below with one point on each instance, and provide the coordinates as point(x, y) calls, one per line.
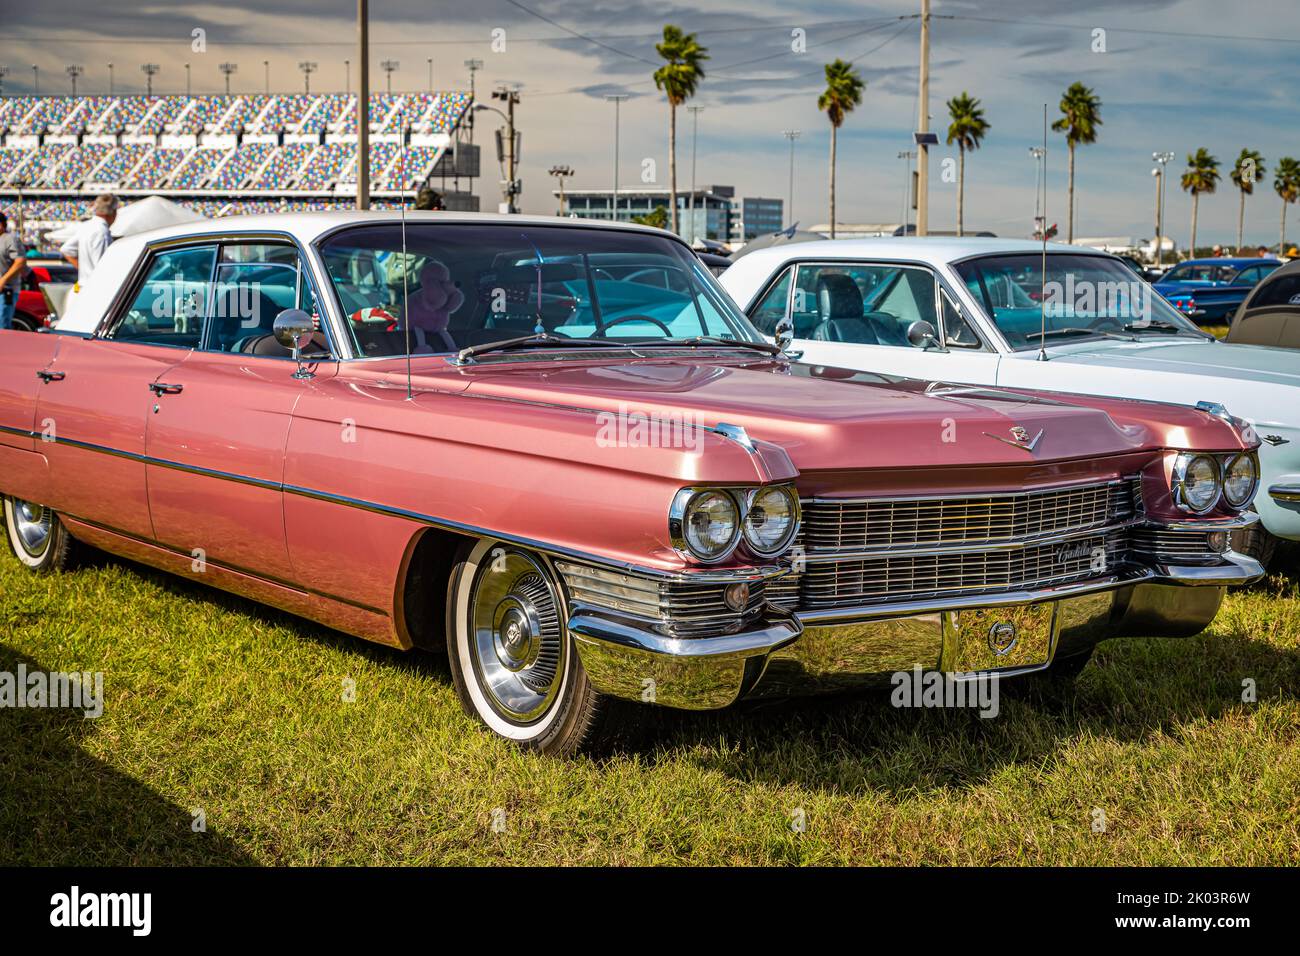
point(557, 450)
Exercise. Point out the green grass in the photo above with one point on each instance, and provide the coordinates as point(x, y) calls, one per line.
point(217, 704)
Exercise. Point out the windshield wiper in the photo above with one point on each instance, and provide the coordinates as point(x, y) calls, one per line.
point(537, 340)
point(1077, 330)
point(695, 340)
point(1156, 325)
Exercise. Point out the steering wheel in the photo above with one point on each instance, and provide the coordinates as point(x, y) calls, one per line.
point(605, 327)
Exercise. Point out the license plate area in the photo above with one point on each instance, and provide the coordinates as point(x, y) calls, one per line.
point(1015, 637)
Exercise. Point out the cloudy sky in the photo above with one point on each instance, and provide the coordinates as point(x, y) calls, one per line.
point(1174, 75)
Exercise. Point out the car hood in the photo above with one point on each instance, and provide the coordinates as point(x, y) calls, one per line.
point(824, 418)
point(1245, 363)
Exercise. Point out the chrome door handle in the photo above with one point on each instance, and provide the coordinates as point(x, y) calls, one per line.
point(161, 388)
point(45, 376)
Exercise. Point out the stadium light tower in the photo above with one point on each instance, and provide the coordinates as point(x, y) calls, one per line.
point(73, 72)
point(266, 76)
point(791, 135)
point(429, 60)
point(561, 173)
point(1163, 159)
point(110, 79)
point(308, 67)
point(150, 70)
point(388, 66)
point(36, 79)
point(226, 69)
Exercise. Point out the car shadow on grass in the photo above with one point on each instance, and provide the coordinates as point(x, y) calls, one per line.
point(60, 806)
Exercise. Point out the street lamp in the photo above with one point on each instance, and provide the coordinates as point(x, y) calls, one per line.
point(347, 76)
point(308, 67)
point(4, 71)
point(617, 99)
point(560, 172)
point(791, 135)
point(36, 79)
point(907, 155)
point(429, 60)
point(150, 70)
point(388, 66)
point(110, 79)
point(695, 112)
point(74, 72)
point(226, 69)
point(266, 76)
point(187, 80)
point(1039, 154)
point(1163, 159)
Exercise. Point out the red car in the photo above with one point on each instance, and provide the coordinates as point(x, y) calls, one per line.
point(32, 312)
point(484, 434)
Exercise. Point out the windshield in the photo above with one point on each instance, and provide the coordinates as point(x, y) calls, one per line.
point(1084, 295)
point(460, 285)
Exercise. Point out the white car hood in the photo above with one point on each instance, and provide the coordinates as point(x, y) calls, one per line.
point(1247, 363)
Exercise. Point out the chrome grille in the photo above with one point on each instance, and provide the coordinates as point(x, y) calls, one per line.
point(1174, 543)
point(865, 552)
point(891, 523)
point(678, 607)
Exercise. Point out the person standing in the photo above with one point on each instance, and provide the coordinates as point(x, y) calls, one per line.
point(13, 265)
point(87, 245)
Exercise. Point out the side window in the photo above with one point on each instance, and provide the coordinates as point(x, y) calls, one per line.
point(169, 307)
point(1247, 276)
point(864, 303)
point(255, 283)
point(771, 308)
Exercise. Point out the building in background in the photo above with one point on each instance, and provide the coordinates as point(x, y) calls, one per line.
point(759, 217)
point(716, 213)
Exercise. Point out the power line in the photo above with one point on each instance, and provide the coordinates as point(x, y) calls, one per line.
point(1090, 27)
point(600, 43)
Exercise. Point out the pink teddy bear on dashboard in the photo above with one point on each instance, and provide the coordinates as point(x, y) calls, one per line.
point(432, 306)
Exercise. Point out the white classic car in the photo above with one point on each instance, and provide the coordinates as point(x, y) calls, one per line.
point(981, 311)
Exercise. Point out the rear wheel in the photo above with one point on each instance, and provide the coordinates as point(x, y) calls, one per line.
point(513, 663)
point(1255, 542)
point(37, 536)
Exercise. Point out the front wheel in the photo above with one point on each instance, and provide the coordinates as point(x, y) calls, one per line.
point(37, 536)
point(513, 663)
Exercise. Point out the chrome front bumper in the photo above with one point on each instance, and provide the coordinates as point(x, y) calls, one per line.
point(788, 654)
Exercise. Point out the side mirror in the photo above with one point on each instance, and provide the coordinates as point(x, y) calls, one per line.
point(922, 335)
point(293, 329)
point(784, 333)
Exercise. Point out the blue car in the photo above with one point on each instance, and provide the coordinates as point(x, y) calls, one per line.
point(1208, 291)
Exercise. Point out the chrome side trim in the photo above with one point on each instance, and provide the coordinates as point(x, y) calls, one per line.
point(1288, 493)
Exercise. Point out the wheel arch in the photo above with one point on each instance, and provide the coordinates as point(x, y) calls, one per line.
point(420, 599)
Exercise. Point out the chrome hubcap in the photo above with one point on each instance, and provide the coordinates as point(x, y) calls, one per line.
point(33, 524)
point(517, 640)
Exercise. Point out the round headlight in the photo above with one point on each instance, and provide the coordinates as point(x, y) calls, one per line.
point(1198, 483)
point(1239, 478)
point(710, 524)
point(771, 521)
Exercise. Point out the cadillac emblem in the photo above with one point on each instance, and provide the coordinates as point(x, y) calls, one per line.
point(1002, 638)
point(1020, 437)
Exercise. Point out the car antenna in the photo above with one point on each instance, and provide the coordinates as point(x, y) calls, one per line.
point(1042, 272)
point(406, 261)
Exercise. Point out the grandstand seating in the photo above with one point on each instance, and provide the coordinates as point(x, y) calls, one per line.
point(195, 169)
point(77, 165)
point(243, 163)
point(120, 162)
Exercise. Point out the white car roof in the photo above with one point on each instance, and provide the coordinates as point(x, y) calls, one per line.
point(744, 279)
point(86, 306)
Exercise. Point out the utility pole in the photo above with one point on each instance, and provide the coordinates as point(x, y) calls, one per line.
point(473, 66)
point(791, 135)
point(430, 62)
point(560, 172)
point(74, 72)
point(308, 67)
point(266, 76)
point(510, 149)
point(226, 69)
point(363, 104)
point(388, 66)
point(618, 99)
point(187, 81)
point(110, 79)
point(695, 135)
point(922, 128)
point(150, 70)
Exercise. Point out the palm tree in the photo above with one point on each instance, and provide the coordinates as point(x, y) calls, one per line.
point(677, 78)
point(1202, 176)
point(1286, 180)
point(1080, 117)
point(1246, 184)
point(967, 131)
point(843, 92)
